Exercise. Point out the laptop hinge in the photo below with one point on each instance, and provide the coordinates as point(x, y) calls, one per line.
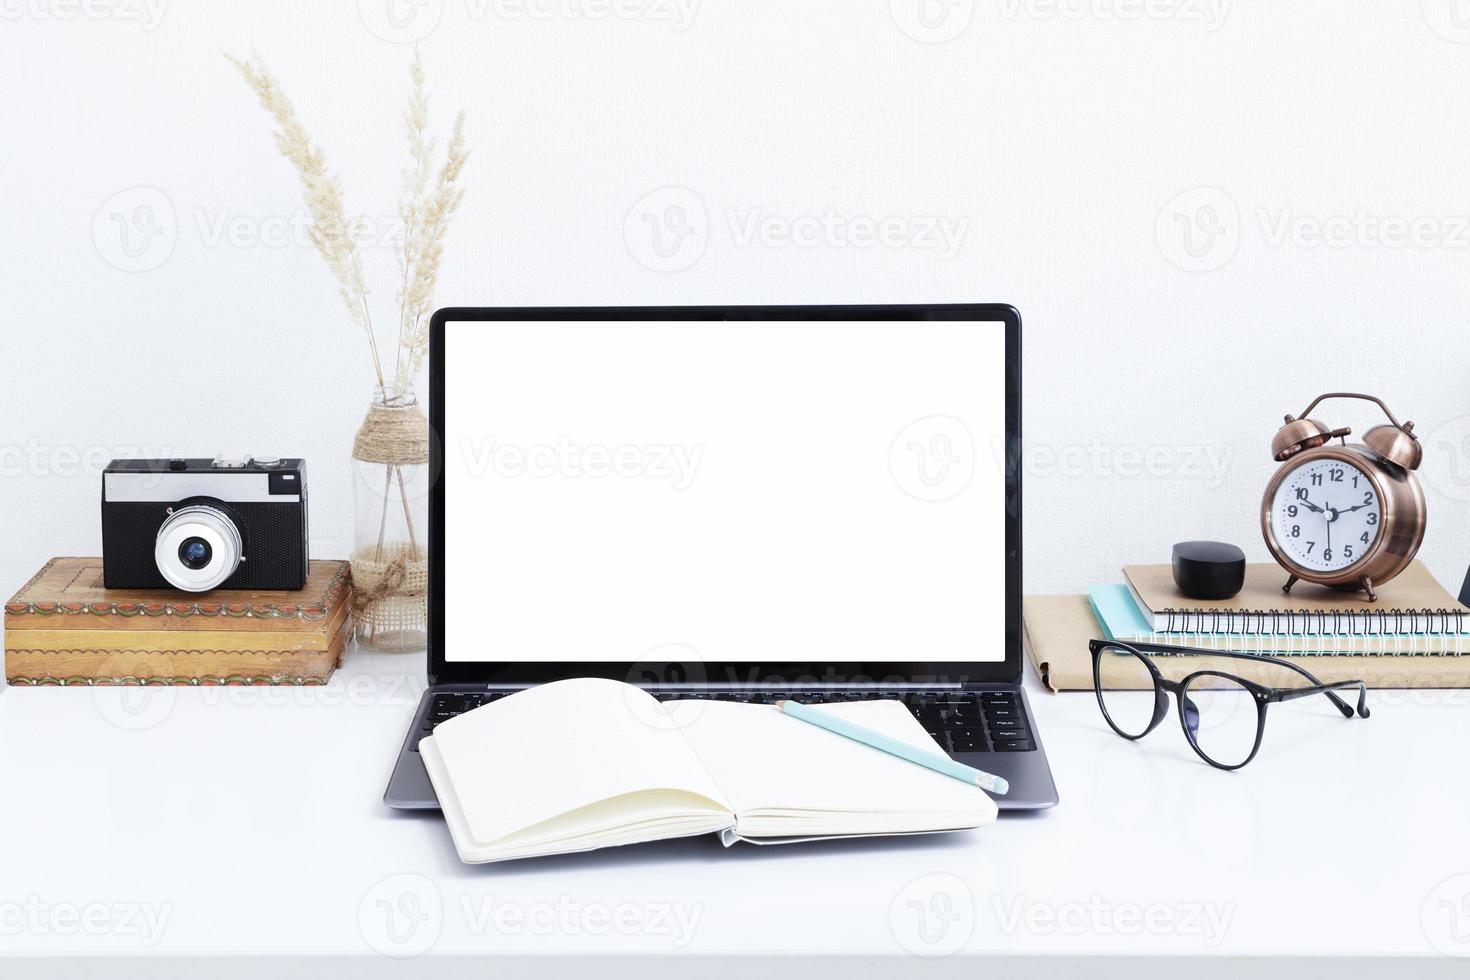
point(712, 686)
point(762, 685)
point(815, 686)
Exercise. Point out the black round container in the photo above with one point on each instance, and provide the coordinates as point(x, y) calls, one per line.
point(1208, 569)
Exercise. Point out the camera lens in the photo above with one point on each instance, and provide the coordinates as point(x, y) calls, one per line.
point(199, 547)
point(195, 553)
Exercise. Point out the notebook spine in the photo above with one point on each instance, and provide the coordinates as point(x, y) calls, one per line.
point(1299, 622)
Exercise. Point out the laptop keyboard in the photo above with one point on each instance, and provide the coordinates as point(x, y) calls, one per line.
point(961, 721)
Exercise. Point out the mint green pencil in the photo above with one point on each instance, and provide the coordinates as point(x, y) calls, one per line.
point(893, 746)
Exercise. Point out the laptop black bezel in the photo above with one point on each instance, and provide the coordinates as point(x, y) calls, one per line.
point(512, 672)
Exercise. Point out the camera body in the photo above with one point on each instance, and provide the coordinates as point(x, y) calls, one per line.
point(200, 524)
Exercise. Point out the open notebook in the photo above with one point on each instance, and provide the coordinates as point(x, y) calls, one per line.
point(589, 763)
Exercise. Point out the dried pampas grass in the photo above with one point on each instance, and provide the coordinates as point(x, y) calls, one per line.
point(424, 210)
point(425, 220)
point(433, 221)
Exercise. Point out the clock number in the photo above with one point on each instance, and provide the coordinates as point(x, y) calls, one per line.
point(1336, 476)
point(1368, 497)
point(1355, 481)
point(1296, 530)
point(1301, 493)
point(1291, 511)
point(1373, 518)
point(1364, 537)
point(1326, 554)
point(1347, 551)
point(1316, 479)
point(1310, 546)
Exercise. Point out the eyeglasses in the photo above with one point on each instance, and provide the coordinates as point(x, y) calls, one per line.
point(1223, 716)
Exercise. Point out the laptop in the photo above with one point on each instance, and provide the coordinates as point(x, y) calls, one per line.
point(738, 503)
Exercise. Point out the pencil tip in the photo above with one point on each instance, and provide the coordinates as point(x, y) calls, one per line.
point(782, 703)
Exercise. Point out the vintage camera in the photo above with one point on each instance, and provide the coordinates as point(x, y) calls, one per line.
point(200, 524)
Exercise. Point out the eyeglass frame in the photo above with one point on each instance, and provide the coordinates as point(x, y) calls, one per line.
point(1263, 696)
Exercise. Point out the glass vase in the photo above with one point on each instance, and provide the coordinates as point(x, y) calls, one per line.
point(390, 560)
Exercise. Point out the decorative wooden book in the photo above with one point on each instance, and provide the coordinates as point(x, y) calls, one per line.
point(65, 628)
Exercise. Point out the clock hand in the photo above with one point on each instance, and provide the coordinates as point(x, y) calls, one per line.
point(1311, 506)
point(1349, 510)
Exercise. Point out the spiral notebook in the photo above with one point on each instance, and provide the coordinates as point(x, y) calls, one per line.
point(1413, 604)
point(1056, 629)
point(1120, 618)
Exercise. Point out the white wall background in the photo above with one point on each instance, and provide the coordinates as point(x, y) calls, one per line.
point(1165, 334)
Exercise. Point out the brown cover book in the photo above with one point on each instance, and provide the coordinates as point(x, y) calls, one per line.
point(1315, 608)
point(63, 627)
point(1056, 628)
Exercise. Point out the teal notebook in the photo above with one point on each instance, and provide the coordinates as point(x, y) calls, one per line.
point(1117, 613)
point(1120, 618)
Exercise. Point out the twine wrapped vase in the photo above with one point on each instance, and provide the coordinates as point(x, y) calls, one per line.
point(390, 561)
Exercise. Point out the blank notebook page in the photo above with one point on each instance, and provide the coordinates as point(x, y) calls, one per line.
point(763, 759)
point(550, 750)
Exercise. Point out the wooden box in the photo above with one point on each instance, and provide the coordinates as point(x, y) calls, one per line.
point(65, 628)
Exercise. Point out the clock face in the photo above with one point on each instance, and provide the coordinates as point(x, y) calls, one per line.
point(1326, 515)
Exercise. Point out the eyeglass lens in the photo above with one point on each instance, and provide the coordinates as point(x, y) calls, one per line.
point(1221, 715)
point(1125, 688)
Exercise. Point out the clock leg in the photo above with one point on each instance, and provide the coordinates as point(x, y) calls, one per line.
point(1290, 581)
point(1368, 587)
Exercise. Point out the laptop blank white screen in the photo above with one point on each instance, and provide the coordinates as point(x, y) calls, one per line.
point(794, 491)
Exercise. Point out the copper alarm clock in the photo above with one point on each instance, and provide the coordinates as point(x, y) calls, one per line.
point(1350, 516)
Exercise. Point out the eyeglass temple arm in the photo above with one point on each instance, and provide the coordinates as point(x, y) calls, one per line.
point(1293, 694)
point(1286, 694)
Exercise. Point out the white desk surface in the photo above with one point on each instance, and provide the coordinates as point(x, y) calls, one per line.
point(171, 827)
